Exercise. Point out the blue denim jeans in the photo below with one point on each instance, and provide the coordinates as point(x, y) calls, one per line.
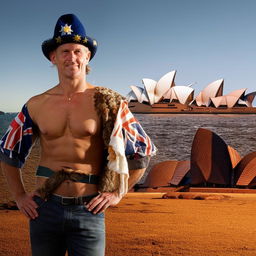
point(60, 228)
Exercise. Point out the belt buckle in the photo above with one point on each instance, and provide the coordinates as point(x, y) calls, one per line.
point(79, 200)
point(64, 201)
point(73, 200)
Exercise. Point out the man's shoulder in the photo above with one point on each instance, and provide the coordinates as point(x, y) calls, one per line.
point(35, 103)
point(40, 98)
point(37, 99)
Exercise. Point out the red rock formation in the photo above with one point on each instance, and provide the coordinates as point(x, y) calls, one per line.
point(234, 156)
point(245, 171)
point(160, 174)
point(210, 160)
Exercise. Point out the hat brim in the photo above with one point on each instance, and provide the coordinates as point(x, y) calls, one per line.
point(50, 45)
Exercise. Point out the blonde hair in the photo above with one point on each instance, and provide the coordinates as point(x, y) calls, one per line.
point(88, 69)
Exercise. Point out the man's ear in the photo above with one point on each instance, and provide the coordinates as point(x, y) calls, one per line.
point(88, 56)
point(52, 56)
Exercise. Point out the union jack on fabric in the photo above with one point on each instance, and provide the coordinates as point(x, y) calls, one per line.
point(128, 140)
point(16, 144)
point(135, 138)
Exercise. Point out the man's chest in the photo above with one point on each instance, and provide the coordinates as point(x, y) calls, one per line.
point(61, 117)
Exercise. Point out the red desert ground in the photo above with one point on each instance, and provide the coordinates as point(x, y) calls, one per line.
point(145, 224)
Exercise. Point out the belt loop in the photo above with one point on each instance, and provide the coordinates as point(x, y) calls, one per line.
point(81, 202)
point(89, 178)
point(62, 200)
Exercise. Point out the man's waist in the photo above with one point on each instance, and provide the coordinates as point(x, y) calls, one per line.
point(66, 188)
point(73, 175)
point(58, 181)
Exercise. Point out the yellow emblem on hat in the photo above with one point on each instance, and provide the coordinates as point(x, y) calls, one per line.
point(85, 40)
point(66, 30)
point(58, 39)
point(94, 43)
point(77, 38)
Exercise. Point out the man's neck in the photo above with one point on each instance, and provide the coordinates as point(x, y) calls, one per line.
point(71, 86)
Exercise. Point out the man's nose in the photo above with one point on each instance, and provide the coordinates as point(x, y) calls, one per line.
point(71, 56)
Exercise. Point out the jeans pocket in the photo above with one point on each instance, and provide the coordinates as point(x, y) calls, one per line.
point(90, 213)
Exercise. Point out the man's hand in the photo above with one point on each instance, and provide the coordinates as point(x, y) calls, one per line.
point(27, 205)
point(24, 201)
point(101, 202)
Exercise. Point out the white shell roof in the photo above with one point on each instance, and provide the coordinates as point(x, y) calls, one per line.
point(144, 96)
point(230, 99)
point(163, 85)
point(173, 95)
point(237, 93)
point(249, 98)
point(210, 91)
point(165, 88)
point(199, 100)
point(182, 93)
point(168, 94)
point(150, 86)
point(218, 101)
point(131, 96)
point(137, 91)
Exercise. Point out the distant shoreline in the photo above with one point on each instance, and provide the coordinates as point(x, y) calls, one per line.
point(178, 108)
point(196, 113)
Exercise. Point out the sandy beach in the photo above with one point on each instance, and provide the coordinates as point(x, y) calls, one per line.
point(145, 224)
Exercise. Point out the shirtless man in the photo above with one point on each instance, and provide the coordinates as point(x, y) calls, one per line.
point(68, 126)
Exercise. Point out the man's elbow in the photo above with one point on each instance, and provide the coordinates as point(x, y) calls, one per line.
point(137, 171)
point(7, 167)
point(137, 174)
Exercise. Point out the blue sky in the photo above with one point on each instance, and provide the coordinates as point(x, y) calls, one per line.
point(203, 40)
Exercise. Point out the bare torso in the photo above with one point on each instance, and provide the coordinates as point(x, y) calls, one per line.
point(70, 136)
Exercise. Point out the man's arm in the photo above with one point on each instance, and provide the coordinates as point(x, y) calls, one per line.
point(135, 176)
point(24, 200)
point(101, 202)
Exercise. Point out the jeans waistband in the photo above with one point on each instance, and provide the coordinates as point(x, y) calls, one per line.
point(71, 200)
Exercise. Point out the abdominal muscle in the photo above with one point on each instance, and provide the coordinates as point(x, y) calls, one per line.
point(84, 156)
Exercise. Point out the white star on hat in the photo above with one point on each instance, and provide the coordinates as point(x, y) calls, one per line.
point(66, 30)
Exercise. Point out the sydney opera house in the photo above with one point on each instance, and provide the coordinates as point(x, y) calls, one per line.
point(164, 96)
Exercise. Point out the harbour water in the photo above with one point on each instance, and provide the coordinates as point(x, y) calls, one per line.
point(4, 121)
point(173, 134)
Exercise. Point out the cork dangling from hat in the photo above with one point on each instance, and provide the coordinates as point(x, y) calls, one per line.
point(69, 29)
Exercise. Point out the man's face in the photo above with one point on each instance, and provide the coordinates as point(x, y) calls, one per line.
point(71, 60)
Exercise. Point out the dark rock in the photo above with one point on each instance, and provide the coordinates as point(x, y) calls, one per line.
point(9, 206)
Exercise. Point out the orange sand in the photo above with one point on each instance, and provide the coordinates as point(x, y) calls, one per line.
point(144, 224)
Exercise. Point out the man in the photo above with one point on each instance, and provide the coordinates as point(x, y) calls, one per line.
point(92, 151)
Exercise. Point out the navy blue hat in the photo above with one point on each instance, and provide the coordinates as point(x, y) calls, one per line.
point(69, 29)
